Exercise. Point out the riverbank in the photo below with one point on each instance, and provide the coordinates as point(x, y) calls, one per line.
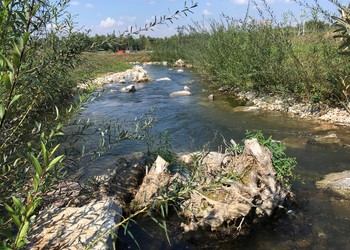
point(317, 111)
point(255, 101)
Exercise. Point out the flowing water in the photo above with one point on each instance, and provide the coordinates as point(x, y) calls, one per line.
point(322, 220)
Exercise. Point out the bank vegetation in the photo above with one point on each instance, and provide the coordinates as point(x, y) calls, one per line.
point(302, 59)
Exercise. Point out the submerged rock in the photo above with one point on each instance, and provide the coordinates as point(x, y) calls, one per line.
point(324, 139)
point(338, 182)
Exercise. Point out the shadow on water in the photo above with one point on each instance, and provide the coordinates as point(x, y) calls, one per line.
point(321, 221)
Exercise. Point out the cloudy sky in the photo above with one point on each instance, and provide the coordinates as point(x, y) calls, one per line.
point(106, 16)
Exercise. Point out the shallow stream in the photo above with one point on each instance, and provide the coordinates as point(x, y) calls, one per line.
point(322, 220)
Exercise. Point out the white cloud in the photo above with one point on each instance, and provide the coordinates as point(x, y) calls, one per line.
point(152, 2)
point(208, 3)
point(240, 1)
point(89, 6)
point(110, 23)
point(206, 12)
point(74, 3)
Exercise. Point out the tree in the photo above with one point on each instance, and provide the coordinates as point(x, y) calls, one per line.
point(38, 48)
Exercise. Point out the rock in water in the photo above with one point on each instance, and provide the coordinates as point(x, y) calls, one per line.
point(338, 182)
point(129, 88)
point(324, 139)
point(163, 79)
point(226, 192)
point(180, 93)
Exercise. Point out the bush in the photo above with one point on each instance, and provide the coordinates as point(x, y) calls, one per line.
point(265, 56)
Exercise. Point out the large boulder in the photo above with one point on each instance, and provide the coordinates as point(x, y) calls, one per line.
point(139, 74)
point(225, 192)
point(76, 227)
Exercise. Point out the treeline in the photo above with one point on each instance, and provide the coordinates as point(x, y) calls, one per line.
point(113, 43)
point(266, 56)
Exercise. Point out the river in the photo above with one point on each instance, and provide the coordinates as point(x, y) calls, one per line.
point(322, 219)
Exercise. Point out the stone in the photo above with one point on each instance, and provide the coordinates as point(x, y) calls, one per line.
point(163, 79)
point(338, 182)
point(157, 177)
point(225, 192)
point(129, 88)
point(324, 139)
point(234, 200)
point(180, 93)
point(211, 97)
point(75, 227)
point(179, 63)
point(136, 74)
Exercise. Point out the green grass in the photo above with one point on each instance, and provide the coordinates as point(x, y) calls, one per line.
point(92, 65)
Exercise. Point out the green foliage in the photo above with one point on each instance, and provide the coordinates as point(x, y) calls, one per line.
point(34, 61)
point(283, 165)
point(39, 47)
point(160, 144)
point(263, 55)
point(93, 65)
point(44, 167)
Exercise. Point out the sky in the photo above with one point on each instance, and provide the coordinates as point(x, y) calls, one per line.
point(105, 16)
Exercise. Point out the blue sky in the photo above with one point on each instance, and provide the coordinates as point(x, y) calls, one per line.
point(106, 16)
